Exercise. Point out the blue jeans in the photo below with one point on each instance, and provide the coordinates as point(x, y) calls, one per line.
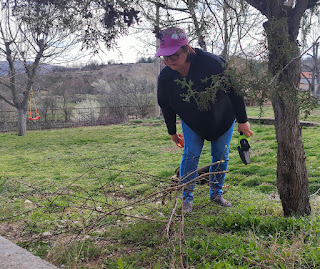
point(193, 145)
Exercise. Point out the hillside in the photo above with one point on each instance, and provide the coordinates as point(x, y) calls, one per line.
point(113, 71)
point(75, 84)
point(44, 68)
point(50, 75)
point(138, 70)
point(81, 81)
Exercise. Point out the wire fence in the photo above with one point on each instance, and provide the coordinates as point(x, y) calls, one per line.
point(75, 117)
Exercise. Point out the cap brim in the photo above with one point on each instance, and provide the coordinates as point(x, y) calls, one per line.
point(167, 51)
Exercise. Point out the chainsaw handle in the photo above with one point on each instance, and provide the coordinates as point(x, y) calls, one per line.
point(245, 129)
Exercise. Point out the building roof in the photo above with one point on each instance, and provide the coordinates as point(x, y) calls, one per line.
point(306, 75)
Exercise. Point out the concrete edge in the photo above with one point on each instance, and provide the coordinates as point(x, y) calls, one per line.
point(15, 257)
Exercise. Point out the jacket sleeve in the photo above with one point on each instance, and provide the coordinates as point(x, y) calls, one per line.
point(238, 105)
point(167, 111)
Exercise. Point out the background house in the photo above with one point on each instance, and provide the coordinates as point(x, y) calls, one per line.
point(306, 80)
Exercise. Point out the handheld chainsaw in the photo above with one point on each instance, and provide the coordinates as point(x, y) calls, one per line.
point(243, 148)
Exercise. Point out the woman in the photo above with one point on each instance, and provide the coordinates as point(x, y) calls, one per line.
point(187, 66)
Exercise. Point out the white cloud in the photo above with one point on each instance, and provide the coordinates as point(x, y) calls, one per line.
point(129, 49)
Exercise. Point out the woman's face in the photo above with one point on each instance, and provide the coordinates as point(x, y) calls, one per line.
point(176, 61)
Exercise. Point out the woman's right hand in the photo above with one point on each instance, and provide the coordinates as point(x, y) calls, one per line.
point(178, 139)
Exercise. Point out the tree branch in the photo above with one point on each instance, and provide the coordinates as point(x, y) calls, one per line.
point(6, 100)
point(313, 3)
point(295, 18)
point(260, 5)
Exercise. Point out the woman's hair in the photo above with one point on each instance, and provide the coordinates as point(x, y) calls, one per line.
point(190, 52)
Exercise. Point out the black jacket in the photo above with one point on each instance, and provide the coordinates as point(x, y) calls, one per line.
point(209, 124)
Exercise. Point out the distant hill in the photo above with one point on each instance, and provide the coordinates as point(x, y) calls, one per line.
point(44, 68)
point(54, 81)
point(77, 82)
point(108, 72)
point(134, 70)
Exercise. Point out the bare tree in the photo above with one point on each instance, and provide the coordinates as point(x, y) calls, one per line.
point(32, 32)
point(127, 92)
point(25, 42)
point(140, 95)
point(310, 43)
point(315, 70)
point(313, 67)
point(222, 26)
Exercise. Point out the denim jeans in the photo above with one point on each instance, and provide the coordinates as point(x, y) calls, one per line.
point(193, 145)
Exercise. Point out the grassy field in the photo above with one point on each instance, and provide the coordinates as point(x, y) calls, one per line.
point(267, 112)
point(92, 198)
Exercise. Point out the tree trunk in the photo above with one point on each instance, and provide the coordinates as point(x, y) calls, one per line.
point(157, 60)
point(22, 122)
point(316, 73)
point(314, 69)
point(284, 63)
point(292, 175)
point(225, 51)
point(197, 26)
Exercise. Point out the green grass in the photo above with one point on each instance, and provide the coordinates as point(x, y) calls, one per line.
point(58, 187)
point(267, 111)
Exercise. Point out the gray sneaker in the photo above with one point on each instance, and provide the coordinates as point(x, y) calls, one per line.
point(187, 207)
point(221, 201)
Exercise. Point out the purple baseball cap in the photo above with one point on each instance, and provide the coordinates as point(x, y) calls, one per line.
point(171, 40)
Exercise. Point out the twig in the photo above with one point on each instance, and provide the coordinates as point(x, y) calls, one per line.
point(315, 193)
point(173, 211)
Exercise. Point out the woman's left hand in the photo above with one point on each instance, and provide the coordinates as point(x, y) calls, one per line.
point(245, 129)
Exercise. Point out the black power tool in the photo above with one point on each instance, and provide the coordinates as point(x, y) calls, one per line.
point(243, 148)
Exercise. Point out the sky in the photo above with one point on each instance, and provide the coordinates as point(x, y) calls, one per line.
point(129, 49)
